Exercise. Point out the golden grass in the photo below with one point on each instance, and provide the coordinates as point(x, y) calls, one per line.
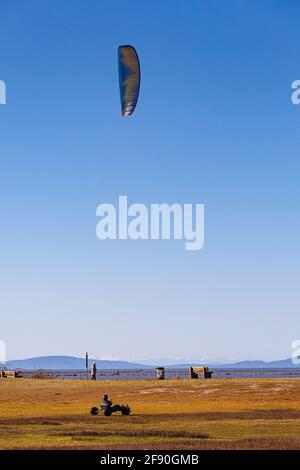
point(171, 414)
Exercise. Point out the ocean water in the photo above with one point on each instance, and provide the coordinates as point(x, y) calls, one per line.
point(150, 374)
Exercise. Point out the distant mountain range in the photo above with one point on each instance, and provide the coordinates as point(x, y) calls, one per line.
point(69, 363)
point(281, 364)
point(75, 363)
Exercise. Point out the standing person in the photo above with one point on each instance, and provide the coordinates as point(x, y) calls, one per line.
point(94, 371)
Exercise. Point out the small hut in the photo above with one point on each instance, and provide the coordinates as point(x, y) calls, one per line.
point(160, 373)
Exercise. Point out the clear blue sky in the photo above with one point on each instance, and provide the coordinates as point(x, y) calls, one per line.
point(214, 125)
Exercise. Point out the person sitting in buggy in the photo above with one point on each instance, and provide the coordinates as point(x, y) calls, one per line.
point(108, 408)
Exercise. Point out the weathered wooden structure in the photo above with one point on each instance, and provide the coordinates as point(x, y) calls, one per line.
point(10, 374)
point(197, 372)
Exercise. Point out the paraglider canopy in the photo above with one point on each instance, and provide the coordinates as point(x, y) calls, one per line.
point(129, 78)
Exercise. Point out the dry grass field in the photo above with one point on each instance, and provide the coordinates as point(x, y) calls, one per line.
point(171, 414)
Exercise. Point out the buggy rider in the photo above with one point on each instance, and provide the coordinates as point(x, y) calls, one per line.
point(107, 406)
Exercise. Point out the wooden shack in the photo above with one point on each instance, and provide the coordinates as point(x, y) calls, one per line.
point(202, 372)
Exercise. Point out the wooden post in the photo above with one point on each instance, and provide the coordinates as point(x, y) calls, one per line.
point(87, 365)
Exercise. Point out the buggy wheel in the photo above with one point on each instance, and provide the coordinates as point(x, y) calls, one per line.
point(126, 411)
point(94, 411)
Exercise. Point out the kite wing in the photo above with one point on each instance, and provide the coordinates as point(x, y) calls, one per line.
point(129, 78)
